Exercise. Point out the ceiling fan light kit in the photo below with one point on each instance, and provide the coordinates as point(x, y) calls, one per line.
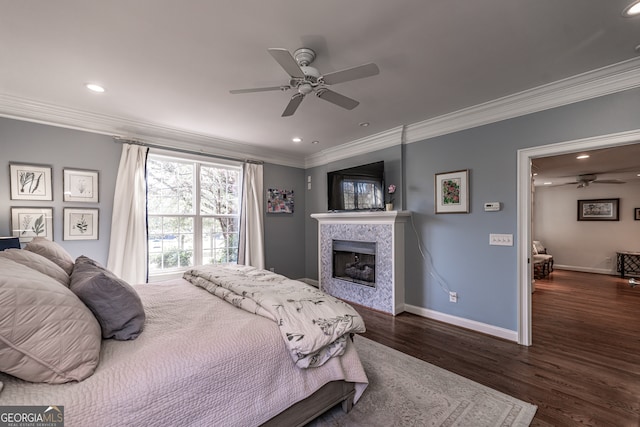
point(306, 79)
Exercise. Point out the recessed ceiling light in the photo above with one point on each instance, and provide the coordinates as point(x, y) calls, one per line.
point(364, 124)
point(315, 142)
point(548, 183)
point(535, 174)
point(94, 87)
point(632, 10)
point(296, 139)
point(583, 156)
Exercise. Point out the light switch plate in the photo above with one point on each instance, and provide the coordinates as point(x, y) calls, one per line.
point(501, 239)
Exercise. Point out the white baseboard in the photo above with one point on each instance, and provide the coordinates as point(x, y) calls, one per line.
point(485, 328)
point(585, 269)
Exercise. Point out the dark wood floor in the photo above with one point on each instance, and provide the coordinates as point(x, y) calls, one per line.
point(582, 369)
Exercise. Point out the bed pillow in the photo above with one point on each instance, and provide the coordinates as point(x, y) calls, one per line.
point(38, 263)
point(113, 301)
point(52, 251)
point(46, 333)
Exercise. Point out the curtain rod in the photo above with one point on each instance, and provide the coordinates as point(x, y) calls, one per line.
point(182, 150)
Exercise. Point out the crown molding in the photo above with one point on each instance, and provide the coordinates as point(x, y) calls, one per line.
point(592, 84)
point(379, 141)
point(14, 107)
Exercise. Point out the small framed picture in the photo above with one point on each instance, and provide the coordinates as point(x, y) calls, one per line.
point(279, 201)
point(80, 185)
point(27, 223)
point(599, 210)
point(30, 182)
point(636, 214)
point(452, 192)
point(80, 224)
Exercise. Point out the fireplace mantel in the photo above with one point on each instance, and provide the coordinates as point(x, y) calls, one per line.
point(387, 229)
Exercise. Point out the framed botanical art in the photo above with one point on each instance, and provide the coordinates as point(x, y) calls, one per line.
point(636, 214)
point(27, 223)
point(599, 210)
point(80, 185)
point(80, 224)
point(30, 182)
point(452, 192)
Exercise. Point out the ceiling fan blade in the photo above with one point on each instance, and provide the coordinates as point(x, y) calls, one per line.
point(260, 89)
point(609, 181)
point(293, 104)
point(286, 61)
point(359, 72)
point(336, 98)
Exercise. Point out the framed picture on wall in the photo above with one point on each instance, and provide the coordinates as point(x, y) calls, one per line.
point(30, 182)
point(80, 185)
point(279, 201)
point(599, 210)
point(27, 223)
point(80, 224)
point(452, 192)
point(636, 214)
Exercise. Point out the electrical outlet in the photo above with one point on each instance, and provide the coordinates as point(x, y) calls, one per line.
point(453, 296)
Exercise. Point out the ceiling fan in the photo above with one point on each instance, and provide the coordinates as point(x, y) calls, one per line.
point(585, 180)
point(306, 79)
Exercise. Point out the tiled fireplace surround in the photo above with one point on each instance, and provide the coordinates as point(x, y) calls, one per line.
point(386, 229)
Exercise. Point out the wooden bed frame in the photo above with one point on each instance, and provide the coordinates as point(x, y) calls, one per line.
point(315, 405)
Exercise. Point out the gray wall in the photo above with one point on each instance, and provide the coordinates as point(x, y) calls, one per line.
point(484, 276)
point(284, 233)
point(30, 143)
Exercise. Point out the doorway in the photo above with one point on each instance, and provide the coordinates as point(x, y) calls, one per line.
point(524, 200)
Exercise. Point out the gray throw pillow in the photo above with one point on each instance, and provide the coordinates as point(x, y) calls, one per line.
point(113, 301)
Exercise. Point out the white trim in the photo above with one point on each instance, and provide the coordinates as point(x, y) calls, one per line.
point(606, 271)
point(379, 141)
point(592, 84)
point(484, 328)
point(524, 210)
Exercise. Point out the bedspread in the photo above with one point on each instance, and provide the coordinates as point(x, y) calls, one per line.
point(314, 325)
point(199, 362)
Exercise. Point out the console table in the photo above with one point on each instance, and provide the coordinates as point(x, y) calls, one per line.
point(628, 262)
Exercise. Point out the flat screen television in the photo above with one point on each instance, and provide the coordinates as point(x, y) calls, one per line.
point(357, 188)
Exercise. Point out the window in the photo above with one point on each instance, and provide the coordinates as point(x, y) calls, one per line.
point(193, 213)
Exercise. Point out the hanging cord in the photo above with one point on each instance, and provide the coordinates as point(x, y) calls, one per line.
point(427, 257)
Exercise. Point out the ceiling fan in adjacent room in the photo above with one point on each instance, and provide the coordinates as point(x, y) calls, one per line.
point(306, 79)
point(585, 180)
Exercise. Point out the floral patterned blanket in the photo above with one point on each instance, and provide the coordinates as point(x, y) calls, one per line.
point(314, 325)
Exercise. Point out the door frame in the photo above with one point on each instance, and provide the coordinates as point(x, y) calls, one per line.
point(524, 201)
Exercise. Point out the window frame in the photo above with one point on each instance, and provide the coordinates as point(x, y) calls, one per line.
point(198, 162)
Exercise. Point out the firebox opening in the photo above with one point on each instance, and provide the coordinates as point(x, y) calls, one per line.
point(355, 262)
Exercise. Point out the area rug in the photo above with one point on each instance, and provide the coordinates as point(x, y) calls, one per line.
point(405, 391)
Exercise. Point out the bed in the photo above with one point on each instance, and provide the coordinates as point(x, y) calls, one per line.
point(199, 361)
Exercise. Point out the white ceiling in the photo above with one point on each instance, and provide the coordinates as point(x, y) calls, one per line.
point(171, 64)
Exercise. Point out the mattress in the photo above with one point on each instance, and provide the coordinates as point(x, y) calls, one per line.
point(199, 361)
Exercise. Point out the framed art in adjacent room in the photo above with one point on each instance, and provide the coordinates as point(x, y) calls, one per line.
point(80, 224)
point(636, 214)
point(599, 210)
point(452, 192)
point(30, 182)
point(80, 185)
point(27, 223)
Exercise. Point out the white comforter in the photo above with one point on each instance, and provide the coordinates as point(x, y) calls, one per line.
point(199, 362)
point(314, 326)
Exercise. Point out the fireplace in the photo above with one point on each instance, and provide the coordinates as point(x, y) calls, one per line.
point(371, 246)
point(354, 262)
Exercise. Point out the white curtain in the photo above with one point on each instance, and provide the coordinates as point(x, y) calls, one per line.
point(128, 246)
point(251, 248)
